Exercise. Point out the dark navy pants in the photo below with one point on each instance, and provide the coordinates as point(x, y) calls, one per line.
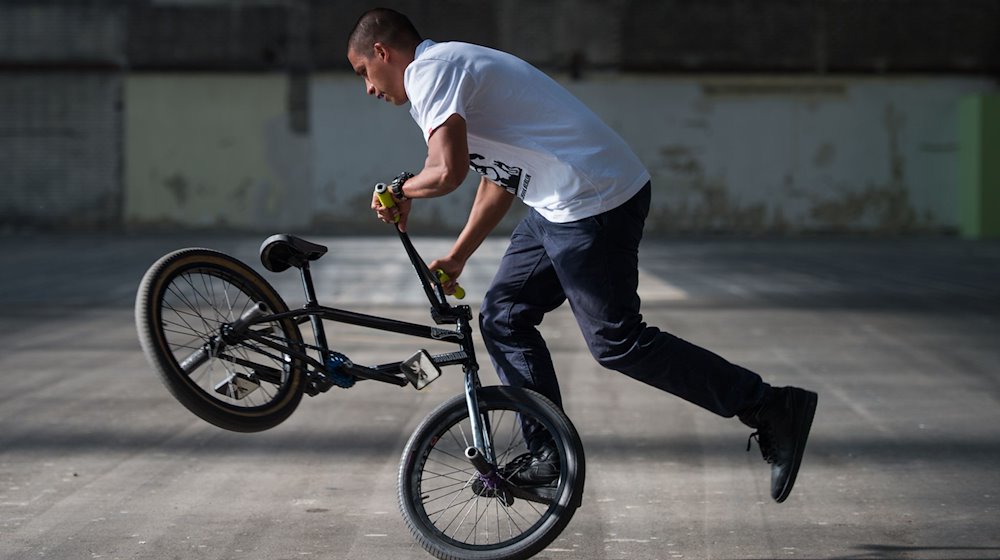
point(593, 263)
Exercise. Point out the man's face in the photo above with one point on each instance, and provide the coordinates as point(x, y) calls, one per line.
point(383, 76)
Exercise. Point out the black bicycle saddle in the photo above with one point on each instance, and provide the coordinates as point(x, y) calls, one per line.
point(282, 250)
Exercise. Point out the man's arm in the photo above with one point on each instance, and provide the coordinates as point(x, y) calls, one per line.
point(491, 205)
point(447, 161)
point(444, 170)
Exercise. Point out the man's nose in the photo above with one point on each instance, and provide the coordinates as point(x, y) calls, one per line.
point(369, 87)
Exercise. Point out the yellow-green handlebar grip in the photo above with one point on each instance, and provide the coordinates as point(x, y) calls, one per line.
point(385, 197)
point(443, 277)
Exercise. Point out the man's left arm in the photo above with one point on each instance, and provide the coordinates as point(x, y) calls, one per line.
point(491, 205)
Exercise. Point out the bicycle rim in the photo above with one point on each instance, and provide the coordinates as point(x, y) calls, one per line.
point(454, 510)
point(196, 302)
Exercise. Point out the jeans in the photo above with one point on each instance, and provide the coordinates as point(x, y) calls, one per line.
point(594, 264)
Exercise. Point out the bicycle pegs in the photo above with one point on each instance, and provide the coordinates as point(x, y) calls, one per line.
point(443, 277)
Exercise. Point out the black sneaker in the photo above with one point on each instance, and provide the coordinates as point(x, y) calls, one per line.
point(532, 470)
point(782, 425)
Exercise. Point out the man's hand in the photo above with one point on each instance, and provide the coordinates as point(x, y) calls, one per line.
point(453, 267)
point(389, 215)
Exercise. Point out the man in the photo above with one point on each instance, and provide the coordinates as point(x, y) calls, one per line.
point(589, 195)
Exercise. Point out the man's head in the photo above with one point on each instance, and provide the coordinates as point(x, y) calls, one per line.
point(379, 49)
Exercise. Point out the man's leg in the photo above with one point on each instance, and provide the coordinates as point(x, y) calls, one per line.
point(596, 262)
point(524, 289)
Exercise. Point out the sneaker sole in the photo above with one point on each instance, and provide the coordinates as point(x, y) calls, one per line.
point(805, 407)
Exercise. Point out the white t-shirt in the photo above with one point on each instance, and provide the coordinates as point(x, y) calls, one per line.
point(525, 131)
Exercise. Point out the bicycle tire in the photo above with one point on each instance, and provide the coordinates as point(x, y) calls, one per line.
point(184, 299)
point(419, 487)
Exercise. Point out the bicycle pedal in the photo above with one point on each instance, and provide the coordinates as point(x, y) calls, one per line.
point(237, 387)
point(420, 369)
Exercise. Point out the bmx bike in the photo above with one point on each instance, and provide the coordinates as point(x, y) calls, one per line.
point(229, 349)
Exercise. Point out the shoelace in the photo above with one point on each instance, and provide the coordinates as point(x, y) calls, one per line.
point(764, 441)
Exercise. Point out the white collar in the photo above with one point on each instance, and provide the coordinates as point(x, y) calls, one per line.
point(426, 44)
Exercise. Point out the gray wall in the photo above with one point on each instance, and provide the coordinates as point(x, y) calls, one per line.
point(758, 154)
point(60, 150)
point(753, 116)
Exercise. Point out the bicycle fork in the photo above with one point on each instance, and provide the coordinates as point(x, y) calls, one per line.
point(481, 453)
point(481, 437)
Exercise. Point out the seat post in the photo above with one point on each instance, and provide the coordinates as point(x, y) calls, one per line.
point(307, 284)
point(317, 322)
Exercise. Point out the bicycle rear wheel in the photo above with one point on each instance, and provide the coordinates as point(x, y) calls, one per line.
point(186, 302)
point(443, 498)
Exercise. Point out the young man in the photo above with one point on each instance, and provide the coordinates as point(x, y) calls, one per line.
point(589, 195)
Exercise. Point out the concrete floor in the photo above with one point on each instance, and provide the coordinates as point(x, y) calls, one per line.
point(900, 337)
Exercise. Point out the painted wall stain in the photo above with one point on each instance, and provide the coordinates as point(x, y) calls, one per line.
point(825, 155)
point(886, 206)
point(178, 186)
point(700, 202)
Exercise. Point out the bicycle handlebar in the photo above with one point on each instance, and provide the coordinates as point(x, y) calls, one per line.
point(386, 200)
point(385, 197)
point(443, 277)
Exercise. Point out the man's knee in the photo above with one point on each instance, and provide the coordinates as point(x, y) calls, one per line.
point(628, 352)
point(613, 357)
point(490, 315)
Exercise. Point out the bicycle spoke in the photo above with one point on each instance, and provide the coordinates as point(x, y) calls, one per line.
point(468, 512)
point(471, 503)
point(194, 308)
point(457, 494)
point(446, 476)
point(462, 460)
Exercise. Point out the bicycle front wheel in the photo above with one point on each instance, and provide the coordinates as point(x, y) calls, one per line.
point(185, 304)
point(443, 498)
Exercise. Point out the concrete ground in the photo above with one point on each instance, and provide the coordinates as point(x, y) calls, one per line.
point(900, 338)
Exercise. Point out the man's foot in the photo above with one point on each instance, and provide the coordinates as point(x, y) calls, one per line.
point(782, 424)
point(531, 470)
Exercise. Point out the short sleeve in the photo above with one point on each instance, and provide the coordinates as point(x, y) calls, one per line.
point(437, 89)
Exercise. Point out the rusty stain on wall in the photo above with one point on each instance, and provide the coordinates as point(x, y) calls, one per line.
point(178, 187)
point(887, 205)
point(698, 201)
point(825, 155)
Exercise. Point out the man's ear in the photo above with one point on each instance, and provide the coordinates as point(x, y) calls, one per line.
point(381, 51)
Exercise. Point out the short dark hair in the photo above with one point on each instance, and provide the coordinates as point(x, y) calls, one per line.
point(382, 25)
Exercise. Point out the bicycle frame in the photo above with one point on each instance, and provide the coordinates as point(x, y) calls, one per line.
point(442, 313)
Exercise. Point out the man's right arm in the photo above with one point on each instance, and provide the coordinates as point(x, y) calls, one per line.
point(444, 170)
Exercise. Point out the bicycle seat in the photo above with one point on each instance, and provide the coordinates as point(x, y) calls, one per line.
point(282, 250)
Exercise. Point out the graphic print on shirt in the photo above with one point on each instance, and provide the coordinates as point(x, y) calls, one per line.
point(508, 177)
